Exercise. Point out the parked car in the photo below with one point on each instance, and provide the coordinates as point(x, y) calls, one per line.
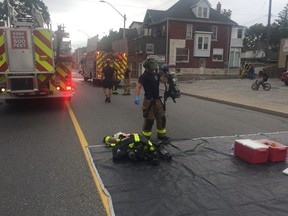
point(284, 77)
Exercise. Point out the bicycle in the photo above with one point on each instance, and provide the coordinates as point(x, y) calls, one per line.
point(266, 86)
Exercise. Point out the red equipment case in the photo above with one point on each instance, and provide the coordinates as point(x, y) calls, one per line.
point(251, 151)
point(277, 152)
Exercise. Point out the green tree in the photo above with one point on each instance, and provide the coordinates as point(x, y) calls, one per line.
point(277, 30)
point(227, 13)
point(24, 9)
point(106, 41)
point(282, 22)
point(254, 34)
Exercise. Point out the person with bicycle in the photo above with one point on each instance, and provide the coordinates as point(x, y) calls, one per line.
point(261, 80)
point(263, 76)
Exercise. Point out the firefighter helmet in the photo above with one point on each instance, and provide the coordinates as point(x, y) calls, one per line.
point(150, 64)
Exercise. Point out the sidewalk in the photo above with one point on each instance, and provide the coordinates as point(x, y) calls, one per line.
point(238, 92)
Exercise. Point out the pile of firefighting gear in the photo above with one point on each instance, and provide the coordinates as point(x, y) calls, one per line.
point(136, 148)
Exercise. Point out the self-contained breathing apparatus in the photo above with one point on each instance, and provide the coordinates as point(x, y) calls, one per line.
point(172, 89)
point(136, 148)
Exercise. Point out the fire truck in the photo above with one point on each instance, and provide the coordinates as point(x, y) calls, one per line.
point(95, 61)
point(35, 62)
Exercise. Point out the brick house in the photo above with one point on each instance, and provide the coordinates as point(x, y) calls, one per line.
point(191, 36)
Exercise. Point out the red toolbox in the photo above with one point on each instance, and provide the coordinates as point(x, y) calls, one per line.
point(277, 152)
point(251, 151)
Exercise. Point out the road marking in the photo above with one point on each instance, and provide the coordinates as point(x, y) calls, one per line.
point(84, 145)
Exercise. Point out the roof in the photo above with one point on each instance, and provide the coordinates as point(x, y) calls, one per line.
point(135, 23)
point(182, 10)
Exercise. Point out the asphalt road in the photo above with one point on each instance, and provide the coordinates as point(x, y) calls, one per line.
point(189, 117)
point(43, 167)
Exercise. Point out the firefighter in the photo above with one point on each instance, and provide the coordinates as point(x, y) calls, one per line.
point(152, 106)
point(107, 80)
point(116, 83)
point(127, 77)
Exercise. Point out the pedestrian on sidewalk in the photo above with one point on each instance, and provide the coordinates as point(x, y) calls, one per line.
point(152, 106)
point(127, 77)
point(108, 75)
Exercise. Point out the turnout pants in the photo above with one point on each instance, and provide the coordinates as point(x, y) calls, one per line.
point(126, 86)
point(153, 109)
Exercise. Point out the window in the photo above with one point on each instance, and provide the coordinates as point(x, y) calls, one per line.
point(154, 32)
point(146, 32)
point(203, 43)
point(150, 48)
point(139, 49)
point(239, 33)
point(200, 42)
point(217, 54)
point(200, 11)
point(163, 31)
point(182, 55)
point(203, 12)
point(214, 32)
point(189, 31)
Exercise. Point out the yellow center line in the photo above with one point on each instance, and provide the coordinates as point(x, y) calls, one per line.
point(84, 145)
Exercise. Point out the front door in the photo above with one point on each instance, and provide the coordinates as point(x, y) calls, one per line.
point(202, 65)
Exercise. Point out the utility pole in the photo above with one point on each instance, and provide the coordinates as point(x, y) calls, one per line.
point(268, 29)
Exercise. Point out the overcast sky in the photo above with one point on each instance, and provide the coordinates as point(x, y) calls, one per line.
point(87, 18)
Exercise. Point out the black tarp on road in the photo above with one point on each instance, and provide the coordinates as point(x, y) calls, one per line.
point(203, 178)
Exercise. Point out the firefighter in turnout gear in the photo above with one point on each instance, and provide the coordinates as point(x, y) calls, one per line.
point(127, 77)
point(152, 106)
point(107, 79)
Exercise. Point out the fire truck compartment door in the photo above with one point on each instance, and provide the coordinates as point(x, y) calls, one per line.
point(20, 50)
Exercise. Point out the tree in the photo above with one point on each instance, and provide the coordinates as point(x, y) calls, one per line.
point(106, 41)
point(24, 9)
point(282, 22)
point(227, 13)
point(254, 34)
point(277, 30)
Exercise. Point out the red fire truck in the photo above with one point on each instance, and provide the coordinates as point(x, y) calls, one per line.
point(35, 62)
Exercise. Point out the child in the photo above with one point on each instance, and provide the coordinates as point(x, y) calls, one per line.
point(263, 76)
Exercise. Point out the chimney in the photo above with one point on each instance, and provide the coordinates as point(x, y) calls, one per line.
point(219, 7)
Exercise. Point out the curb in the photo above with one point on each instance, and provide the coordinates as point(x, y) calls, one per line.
point(272, 112)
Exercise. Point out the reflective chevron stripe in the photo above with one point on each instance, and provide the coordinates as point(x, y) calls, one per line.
point(3, 57)
point(43, 50)
point(101, 58)
point(62, 77)
point(118, 60)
